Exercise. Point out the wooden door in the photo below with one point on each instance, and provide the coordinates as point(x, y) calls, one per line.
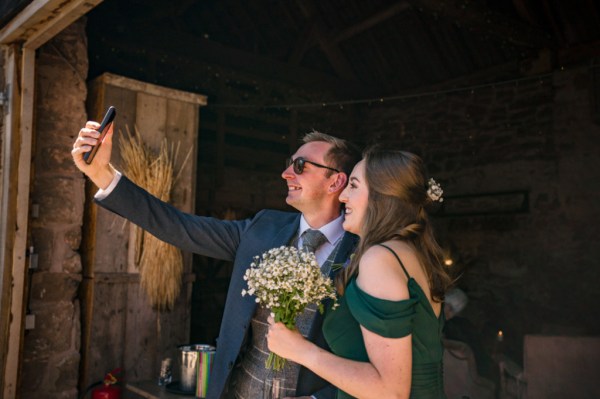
point(120, 328)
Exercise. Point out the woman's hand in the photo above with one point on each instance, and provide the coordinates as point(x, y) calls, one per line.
point(287, 343)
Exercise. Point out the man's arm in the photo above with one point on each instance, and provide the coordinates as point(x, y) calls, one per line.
point(203, 235)
point(199, 234)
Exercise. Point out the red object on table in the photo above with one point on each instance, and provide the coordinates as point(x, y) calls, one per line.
point(107, 392)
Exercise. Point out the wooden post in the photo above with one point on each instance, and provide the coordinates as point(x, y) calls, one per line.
point(17, 167)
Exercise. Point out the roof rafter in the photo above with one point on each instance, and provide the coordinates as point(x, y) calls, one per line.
point(337, 37)
point(492, 23)
point(334, 55)
point(205, 50)
point(369, 22)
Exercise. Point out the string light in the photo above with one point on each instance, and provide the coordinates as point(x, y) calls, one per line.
point(402, 97)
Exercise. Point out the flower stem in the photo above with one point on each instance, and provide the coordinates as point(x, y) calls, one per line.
point(275, 362)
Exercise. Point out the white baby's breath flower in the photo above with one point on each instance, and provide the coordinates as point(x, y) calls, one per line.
point(285, 278)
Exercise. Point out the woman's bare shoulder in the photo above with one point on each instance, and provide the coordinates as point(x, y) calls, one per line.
point(381, 276)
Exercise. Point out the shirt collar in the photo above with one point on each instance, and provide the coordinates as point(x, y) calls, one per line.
point(333, 230)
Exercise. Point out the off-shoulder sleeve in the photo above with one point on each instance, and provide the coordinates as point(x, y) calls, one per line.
point(390, 319)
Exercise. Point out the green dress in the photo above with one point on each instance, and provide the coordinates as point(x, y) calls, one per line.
point(391, 319)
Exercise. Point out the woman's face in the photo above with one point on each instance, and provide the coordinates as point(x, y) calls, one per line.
point(355, 197)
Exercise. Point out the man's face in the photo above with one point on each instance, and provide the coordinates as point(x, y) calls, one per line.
point(308, 190)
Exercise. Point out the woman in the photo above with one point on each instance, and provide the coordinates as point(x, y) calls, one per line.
point(386, 333)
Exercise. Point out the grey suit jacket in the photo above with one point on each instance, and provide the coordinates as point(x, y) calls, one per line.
point(237, 241)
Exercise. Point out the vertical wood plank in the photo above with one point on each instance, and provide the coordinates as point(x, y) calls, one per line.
point(181, 130)
point(111, 233)
point(141, 335)
point(7, 214)
point(125, 100)
point(108, 324)
point(151, 119)
point(19, 268)
point(141, 322)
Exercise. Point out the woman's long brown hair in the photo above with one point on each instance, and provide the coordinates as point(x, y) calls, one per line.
point(397, 186)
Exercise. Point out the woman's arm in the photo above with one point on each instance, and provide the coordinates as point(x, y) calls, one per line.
point(388, 372)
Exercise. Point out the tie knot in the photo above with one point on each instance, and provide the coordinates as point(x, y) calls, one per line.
point(312, 240)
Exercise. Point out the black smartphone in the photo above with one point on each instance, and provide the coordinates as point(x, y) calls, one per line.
point(88, 157)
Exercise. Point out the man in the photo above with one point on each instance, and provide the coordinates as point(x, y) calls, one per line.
point(316, 175)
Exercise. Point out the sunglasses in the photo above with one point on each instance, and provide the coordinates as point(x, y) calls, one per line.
point(300, 162)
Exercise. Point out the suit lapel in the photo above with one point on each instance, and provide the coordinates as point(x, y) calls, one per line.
point(285, 235)
point(347, 247)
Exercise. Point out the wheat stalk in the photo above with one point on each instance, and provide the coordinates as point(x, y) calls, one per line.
point(160, 264)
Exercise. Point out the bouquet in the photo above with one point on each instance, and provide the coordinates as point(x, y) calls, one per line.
point(286, 280)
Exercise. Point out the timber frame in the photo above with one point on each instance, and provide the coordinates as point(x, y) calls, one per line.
point(37, 23)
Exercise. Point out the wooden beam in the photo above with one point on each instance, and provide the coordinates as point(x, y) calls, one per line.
point(524, 12)
point(370, 22)
point(308, 40)
point(486, 21)
point(558, 33)
point(149, 88)
point(41, 20)
point(32, 27)
point(10, 138)
point(182, 45)
point(303, 44)
point(334, 55)
point(20, 163)
point(579, 53)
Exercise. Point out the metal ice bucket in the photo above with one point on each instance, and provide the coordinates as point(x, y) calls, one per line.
point(190, 355)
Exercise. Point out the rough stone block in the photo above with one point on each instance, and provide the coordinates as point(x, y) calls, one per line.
point(72, 264)
point(44, 246)
point(53, 332)
point(72, 238)
point(56, 201)
point(64, 374)
point(54, 287)
point(56, 157)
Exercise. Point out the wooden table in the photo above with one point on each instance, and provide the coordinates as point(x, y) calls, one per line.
point(150, 390)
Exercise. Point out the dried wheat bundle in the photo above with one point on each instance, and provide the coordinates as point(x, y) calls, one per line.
point(160, 264)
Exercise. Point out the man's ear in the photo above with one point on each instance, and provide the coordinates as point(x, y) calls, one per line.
point(338, 185)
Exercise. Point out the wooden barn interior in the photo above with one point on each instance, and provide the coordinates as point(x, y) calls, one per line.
point(501, 98)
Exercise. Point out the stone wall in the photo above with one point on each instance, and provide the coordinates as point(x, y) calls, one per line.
point(532, 269)
point(51, 351)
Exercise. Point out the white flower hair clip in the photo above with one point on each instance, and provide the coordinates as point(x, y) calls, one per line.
point(434, 191)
